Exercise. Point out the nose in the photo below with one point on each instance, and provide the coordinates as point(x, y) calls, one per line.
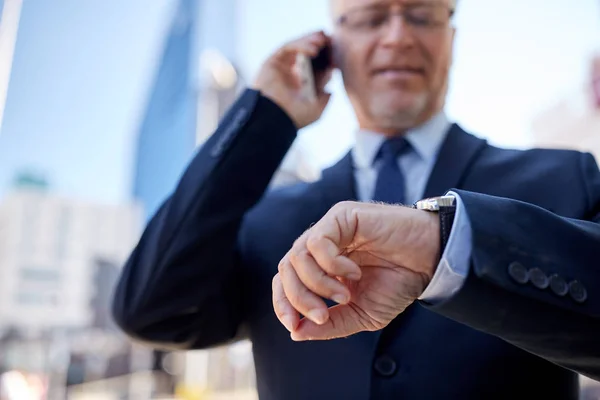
point(397, 33)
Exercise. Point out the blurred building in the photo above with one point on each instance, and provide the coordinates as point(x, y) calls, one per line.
point(166, 138)
point(297, 166)
point(58, 263)
point(195, 82)
point(217, 79)
point(49, 246)
point(218, 85)
point(10, 12)
point(105, 278)
point(574, 121)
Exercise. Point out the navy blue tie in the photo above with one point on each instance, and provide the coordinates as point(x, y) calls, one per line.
point(390, 180)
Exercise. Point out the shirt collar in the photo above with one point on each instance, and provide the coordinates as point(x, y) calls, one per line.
point(425, 139)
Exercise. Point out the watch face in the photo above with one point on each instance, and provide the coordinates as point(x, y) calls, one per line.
point(434, 203)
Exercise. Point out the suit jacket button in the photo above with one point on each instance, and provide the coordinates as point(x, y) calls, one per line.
point(538, 278)
point(385, 366)
point(518, 272)
point(577, 291)
point(558, 285)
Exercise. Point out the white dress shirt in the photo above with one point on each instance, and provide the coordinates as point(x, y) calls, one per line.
point(416, 165)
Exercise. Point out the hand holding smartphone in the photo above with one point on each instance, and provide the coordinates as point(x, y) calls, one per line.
point(277, 80)
point(311, 69)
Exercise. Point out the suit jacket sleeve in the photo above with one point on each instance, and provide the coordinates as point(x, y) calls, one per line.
point(182, 286)
point(534, 279)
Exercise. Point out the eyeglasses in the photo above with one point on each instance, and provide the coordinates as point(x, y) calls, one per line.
point(420, 17)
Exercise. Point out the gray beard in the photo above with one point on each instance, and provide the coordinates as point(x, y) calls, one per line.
point(400, 119)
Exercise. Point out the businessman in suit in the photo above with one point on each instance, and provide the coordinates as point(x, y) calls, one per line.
point(508, 309)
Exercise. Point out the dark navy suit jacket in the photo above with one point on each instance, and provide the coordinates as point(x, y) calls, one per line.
point(201, 273)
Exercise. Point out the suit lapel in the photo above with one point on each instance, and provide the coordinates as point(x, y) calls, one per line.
point(337, 183)
point(454, 159)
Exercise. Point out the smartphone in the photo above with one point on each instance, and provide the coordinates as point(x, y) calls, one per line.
point(308, 68)
point(322, 61)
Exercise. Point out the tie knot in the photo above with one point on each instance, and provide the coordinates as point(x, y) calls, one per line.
point(392, 148)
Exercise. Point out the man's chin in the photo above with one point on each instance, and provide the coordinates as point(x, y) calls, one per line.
point(399, 113)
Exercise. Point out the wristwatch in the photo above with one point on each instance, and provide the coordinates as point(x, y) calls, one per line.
point(445, 206)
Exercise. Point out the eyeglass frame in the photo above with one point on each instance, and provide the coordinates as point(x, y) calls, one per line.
point(342, 19)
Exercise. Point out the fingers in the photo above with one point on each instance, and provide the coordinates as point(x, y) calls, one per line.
point(299, 296)
point(343, 321)
point(284, 310)
point(327, 255)
point(325, 263)
point(306, 275)
point(308, 45)
point(309, 273)
point(316, 279)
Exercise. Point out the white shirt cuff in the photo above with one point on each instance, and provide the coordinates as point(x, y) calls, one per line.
point(455, 262)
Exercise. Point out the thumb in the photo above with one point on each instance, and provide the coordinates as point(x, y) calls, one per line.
point(343, 321)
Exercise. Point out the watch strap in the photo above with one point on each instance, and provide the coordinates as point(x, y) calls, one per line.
point(445, 206)
point(446, 220)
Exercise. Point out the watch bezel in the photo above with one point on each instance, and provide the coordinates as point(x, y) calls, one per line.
point(435, 203)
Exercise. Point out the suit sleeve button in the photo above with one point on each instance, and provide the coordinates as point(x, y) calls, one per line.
point(558, 285)
point(518, 272)
point(538, 278)
point(577, 291)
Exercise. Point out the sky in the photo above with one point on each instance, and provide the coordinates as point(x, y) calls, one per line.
point(80, 75)
point(82, 71)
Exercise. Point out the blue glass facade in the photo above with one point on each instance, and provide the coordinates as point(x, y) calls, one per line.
point(167, 134)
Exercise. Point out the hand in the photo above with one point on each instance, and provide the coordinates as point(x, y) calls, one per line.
point(279, 81)
point(373, 260)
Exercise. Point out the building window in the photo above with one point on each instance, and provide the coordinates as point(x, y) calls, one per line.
point(30, 222)
point(62, 233)
point(39, 275)
point(30, 298)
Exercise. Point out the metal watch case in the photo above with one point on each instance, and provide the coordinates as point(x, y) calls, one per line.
point(434, 203)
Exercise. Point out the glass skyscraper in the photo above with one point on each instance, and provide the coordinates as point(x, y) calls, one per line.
point(185, 102)
point(166, 137)
point(10, 11)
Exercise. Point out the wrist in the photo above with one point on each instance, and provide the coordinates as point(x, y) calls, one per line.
point(275, 99)
point(431, 258)
point(443, 208)
point(425, 248)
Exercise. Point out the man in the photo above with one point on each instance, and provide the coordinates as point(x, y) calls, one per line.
point(202, 273)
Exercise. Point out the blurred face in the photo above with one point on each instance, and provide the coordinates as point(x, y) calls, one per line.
point(394, 56)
